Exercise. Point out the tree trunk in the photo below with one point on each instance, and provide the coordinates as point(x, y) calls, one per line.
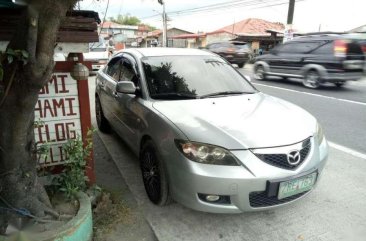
point(37, 32)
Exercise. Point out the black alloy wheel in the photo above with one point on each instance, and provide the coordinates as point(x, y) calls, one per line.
point(153, 175)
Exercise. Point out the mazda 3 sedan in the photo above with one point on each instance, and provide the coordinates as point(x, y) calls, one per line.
point(205, 137)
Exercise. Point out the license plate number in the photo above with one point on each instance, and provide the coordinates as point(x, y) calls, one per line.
point(296, 186)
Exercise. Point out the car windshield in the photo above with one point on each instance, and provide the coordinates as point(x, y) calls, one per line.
point(182, 77)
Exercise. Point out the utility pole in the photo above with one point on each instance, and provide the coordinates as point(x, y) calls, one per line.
point(288, 35)
point(290, 14)
point(165, 37)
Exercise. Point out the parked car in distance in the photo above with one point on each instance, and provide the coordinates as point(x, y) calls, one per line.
point(99, 53)
point(204, 135)
point(316, 59)
point(235, 52)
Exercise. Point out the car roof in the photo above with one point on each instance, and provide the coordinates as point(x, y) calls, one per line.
point(320, 37)
point(156, 51)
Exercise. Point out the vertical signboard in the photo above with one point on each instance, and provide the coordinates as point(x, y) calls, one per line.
point(288, 34)
point(62, 113)
point(58, 114)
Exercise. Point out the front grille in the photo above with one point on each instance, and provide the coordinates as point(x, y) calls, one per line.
point(280, 160)
point(260, 199)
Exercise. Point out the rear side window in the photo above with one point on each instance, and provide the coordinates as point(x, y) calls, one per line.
point(299, 47)
point(325, 49)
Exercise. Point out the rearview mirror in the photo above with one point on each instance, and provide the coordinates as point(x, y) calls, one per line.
point(126, 87)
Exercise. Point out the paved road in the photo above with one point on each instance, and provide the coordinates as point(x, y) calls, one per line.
point(341, 111)
point(334, 211)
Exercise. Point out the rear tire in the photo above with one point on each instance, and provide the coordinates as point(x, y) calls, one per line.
point(154, 175)
point(339, 84)
point(311, 79)
point(241, 65)
point(102, 122)
point(259, 73)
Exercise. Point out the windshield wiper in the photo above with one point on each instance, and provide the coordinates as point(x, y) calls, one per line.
point(173, 96)
point(225, 93)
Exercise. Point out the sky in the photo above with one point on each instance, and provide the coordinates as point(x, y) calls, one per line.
point(309, 16)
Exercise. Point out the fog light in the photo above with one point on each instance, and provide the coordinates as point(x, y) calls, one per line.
point(212, 198)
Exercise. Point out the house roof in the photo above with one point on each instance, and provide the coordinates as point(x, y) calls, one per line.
point(252, 26)
point(157, 32)
point(77, 27)
point(187, 36)
point(108, 24)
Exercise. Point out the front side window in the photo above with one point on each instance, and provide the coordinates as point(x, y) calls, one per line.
point(114, 68)
point(194, 76)
point(127, 72)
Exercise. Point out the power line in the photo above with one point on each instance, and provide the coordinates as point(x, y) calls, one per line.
point(224, 6)
point(101, 27)
point(244, 4)
point(217, 5)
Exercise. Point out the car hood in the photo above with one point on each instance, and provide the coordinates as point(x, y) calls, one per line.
point(240, 122)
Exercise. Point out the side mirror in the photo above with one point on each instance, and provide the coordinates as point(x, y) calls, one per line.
point(126, 87)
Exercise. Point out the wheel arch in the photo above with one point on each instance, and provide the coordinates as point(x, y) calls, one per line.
point(144, 139)
point(263, 64)
point(320, 69)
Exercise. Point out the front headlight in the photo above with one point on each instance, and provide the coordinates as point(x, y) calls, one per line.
point(319, 135)
point(206, 154)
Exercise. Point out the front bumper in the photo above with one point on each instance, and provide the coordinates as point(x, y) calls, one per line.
point(239, 183)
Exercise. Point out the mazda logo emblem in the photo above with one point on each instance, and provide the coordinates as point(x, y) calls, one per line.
point(293, 157)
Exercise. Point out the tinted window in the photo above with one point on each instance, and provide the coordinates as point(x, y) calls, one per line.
point(299, 47)
point(192, 75)
point(325, 49)
point(127, 72)
point(114, 69)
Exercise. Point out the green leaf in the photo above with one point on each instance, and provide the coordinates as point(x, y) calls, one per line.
point(10, 52)
point(10, 59)
point(1, 73)
point(25, 54)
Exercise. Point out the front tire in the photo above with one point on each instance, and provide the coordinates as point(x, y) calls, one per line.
point(241, 65)
point(312, 79)
point(154, 175)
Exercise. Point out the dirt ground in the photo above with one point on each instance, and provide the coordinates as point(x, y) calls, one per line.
point(117, 216)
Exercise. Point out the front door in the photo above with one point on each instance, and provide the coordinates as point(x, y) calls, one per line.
point(127, 107)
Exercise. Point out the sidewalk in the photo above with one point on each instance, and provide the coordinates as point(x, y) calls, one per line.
point(132, 226)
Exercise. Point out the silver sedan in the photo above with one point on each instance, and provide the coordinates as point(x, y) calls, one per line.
point(204, 135)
